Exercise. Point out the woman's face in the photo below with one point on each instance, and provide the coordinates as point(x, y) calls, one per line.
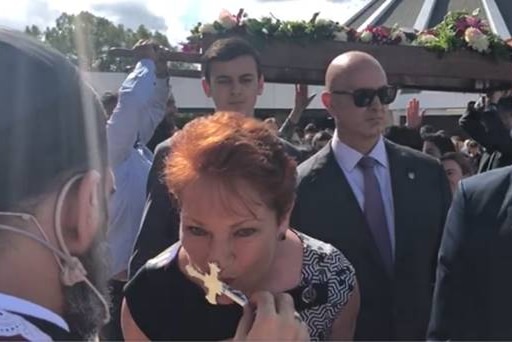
point(431, 149)
point(235, 229)
point(453, 172)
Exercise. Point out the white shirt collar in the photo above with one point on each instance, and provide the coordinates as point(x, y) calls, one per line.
point(348, 158)
point(24, 307)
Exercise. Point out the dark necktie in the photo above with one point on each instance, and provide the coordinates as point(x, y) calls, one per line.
point(374, 211)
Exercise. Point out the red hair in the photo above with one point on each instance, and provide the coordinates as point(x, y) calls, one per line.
point(231, 147)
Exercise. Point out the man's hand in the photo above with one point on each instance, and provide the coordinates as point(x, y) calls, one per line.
point(302, 98)
point(413, 116)
point(495, 96)
point(271, 318)
point(145, 49)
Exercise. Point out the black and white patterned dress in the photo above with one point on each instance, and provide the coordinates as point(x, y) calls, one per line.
point(168, 306)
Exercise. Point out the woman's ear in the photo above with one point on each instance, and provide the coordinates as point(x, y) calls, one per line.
point(284, 224)
point(82, 215)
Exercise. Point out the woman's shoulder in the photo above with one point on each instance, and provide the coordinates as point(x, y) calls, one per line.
point(324, 257)
point(328, 279)
point(155, 269)
point(158, 293)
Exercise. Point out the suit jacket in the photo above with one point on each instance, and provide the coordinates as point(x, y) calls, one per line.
point(473, 294)
point(160, 220)
point(392, 307)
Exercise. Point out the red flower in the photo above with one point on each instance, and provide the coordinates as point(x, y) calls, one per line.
point(474, 22)
point(460, 26)
point(190, 47)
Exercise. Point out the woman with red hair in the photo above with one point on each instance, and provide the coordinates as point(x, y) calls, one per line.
point(235, 187)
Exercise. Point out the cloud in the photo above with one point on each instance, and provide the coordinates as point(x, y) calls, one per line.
point(19, 14)
point(131, 14)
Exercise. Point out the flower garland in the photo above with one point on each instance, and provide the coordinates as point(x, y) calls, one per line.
point(458, 30)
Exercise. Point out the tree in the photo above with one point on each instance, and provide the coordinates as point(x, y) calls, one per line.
point(86, 38)
point(33, 31)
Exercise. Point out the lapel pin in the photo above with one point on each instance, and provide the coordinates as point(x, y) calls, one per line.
point(411, 175)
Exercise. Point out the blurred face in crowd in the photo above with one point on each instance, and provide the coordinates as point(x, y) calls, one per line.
point(506, 118)
point(320, 143)
point(171, 108)
point(229, 223)
point(234, 85)
point(431, 149)
point(472, 148)
point(453, 172)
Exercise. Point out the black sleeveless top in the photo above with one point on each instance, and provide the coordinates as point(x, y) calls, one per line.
point(166, 305)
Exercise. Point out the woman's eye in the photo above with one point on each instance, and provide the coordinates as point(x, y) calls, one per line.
point(245, 232)
point(197, 231)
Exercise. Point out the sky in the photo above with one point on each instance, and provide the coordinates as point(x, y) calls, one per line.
point(172, 17)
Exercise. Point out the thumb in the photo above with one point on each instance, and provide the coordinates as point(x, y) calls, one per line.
point(245, 324)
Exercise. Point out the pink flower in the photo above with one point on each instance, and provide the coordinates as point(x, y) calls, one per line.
point(476, 39)
point(190, 47)
point(227, 20)
point(473, 22)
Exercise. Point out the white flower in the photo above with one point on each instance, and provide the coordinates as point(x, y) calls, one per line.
point(366, 36)
point(208, 29)
point(399, 34)
point(427, 38)
point(227, 20)
point(340, 36)
point(476, 39)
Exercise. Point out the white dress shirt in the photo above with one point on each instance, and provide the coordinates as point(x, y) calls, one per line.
point(348, 158)
point(11, 324)
point(140, 108)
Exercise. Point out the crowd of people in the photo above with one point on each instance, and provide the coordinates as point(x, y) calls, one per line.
point(357, 232)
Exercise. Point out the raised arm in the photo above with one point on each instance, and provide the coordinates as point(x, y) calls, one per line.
point(134, 95)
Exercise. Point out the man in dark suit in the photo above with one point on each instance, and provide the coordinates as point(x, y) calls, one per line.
point(233, 79)
point(490, 125)
point(473, 294)
point(381, 204)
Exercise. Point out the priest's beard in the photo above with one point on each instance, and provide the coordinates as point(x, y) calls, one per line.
point(84, 312)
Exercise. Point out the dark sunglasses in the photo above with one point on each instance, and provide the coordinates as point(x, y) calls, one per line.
point(364, 97)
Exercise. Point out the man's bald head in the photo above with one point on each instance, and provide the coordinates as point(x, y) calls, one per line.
point(346, 66)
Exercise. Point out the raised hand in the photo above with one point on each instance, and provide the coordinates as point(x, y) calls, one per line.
point(145, 48)
point(413, 116)
point(302, 98)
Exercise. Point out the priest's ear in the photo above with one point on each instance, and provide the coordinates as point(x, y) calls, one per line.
point(81, 216)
